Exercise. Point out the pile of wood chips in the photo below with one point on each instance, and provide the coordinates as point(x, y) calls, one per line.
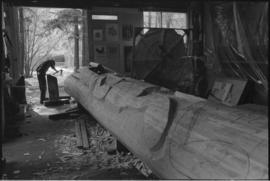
point(102, 141)
point(101, 154)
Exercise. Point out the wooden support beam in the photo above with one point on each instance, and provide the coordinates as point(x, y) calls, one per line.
point(76, 44)
point(85, 46)
point(90, 36)
point(12, 34)
point(2, 54)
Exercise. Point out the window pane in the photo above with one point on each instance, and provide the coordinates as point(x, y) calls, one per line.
point(104, 17)
point(152, 19)
point(174, 20)
point(167, 19)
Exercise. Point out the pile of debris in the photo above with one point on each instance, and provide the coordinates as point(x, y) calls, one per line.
point(102, 153)
point(102, 141)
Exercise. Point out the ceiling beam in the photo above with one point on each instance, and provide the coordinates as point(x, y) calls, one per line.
point(176, 5)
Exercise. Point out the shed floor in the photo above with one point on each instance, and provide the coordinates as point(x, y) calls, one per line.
point(46, 148)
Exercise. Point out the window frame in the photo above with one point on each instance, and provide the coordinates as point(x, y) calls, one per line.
point(161, 23)
point(104, 19)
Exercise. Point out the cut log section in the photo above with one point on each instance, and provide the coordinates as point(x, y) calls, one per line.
point(177, 136)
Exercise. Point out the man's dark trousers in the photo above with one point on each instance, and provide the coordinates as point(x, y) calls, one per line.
point(42, 86)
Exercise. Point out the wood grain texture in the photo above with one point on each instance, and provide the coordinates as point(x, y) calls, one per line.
point(84, 134)
point(179, 136)
point(78, 133)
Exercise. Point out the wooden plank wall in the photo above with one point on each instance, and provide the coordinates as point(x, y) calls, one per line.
point(15, 48)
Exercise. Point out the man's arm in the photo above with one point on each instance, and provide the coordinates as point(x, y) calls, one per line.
point(53, 67)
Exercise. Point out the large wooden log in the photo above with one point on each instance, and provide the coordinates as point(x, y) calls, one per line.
point(178, 136)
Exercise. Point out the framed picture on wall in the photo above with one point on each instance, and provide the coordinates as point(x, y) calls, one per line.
point(112, 32)
point(98, 35)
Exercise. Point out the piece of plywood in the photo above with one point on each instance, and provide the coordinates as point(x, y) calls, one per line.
point(228, 91)
point(53, 87)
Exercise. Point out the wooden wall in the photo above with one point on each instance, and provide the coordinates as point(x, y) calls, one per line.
point(15, 45)
point(126, 16)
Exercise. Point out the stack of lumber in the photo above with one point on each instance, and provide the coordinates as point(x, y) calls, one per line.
point(178, 136)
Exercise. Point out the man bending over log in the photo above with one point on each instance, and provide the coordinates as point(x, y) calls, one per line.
point(41, 72)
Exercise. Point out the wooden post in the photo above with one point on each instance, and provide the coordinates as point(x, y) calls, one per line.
point(90, 36)
point(83, 37)
point(22, 47)
point(12, 23)
point(85, 45)
point(2, 80)
point(76, 44)
point(190, 35)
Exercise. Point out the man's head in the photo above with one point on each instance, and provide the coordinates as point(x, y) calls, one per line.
point(52, 61)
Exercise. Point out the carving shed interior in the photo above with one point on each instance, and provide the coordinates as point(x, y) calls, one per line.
point(134, 90)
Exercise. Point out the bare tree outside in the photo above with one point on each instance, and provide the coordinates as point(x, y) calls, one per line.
point(39, 42)
point(69, 22)
point(48, 32)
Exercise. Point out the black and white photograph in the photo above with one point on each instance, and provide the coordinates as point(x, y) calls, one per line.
point(98, 35)
point(112, 32)
point(134, 90)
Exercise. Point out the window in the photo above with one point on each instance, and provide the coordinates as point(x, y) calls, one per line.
point(165, 20)
point(104, 17)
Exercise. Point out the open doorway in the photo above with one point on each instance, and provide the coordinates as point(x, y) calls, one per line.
point(50, 34)
point(47, 148)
